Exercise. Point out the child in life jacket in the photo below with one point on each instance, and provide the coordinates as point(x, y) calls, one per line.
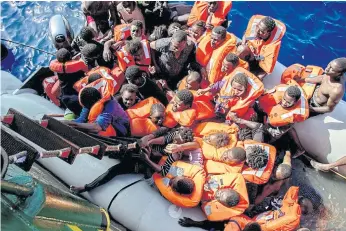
point(127, 96)
point(99, 115)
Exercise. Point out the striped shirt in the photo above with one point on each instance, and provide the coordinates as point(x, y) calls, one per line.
point(167, 165)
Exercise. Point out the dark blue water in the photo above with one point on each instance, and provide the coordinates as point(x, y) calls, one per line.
point(316, 31)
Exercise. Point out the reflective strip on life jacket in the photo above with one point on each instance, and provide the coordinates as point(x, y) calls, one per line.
point(146, 49)
point(297, 111)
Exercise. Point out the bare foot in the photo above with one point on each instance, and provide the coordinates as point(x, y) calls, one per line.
point(319, 166)
point(77, 190)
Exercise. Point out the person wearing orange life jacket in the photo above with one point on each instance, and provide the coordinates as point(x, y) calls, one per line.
point(196, 31)
point(213, 13)
point(68, 71)
point(135, 52)
point(129, 11)
point(212, 50)
point(127, 96)
point(101, 114)
point(236, 93)
point(284, 106)
point(263, 36)
point(183, 110)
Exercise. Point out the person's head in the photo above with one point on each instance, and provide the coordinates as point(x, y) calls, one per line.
point(93, 77)
point(86, 34)
point(252, 226)
point(212, 6)
point(157, 113)
point(239, 84)
point(91, 52)
point(218, 139)
point(182, 100)
point(63, 55)
point(178, 41)
point(234, 155)
point(193, 81)
point(197, 29)
point(183, 135)
point(227, 197)
point(281, 172)
point(336, 68)
point(291, 96)
point(265, 27)
point(182, 185)
point(158, 33)
point(96, 8)
point(136, 28)
point(129, 6)
point(256, 157)
point(128, 94)
point(218, 36)
point(244, 52)
point(135, 48)
point(135, 75)
point(306, 205)
point(229, 63)
point(173, 27)
point(89, 96)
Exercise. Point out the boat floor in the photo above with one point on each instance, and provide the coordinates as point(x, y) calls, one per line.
point(46, 177)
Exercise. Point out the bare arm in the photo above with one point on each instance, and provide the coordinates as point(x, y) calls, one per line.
point(89, 127)
point(333, 100)
point(317, 79)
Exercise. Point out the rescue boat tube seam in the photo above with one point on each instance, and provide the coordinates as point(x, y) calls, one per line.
point(127, 186)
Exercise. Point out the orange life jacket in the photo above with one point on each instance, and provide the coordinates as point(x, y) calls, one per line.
point(212, 153)
point(266, 51)
point(142, 109)
point(279, 116)
point(262, 175)
point(238, 105)
point(200, 110)
point(114, 80)
point(237, 223)
point(212, 59)
point(180, 168)
point(204, 84)
point(68, 67)
point(142, 126)
point(102, 86)
point(217, 167)
point(299, 73)
point(286, 218)
point(207, 128)
point(199, 11)
point(126, 60)
point(122, 32)
point(213, 209)
point(51, 87)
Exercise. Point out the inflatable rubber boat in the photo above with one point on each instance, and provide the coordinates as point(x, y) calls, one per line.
point(129, 199)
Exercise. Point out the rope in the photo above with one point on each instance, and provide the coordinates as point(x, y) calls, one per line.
point(24, 45)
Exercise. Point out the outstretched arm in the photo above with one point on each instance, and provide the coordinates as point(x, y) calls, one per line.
point(207, 225)
point(316, 80)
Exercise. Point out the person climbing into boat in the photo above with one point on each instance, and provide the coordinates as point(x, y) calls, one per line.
point(171, 57)
point(277, 103)
point(69, 72)
point(92, 56)
point(330, 87)
point(146, 86)
point(213, 13)
point(263, 36)
point(137, 163)
point(327, 167)
point(101, 113)
point(127, 96)
point(129, 11)
point(211, 51)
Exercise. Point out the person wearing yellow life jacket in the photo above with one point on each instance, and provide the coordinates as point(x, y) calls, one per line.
point(224, 196)
point(183, 110)
point(263, 36)
point(129, 11)
point(236, 93)
point(213, 13)
point(101, 114)
point(212, 50)
point(115, 78)
point(68, 71)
